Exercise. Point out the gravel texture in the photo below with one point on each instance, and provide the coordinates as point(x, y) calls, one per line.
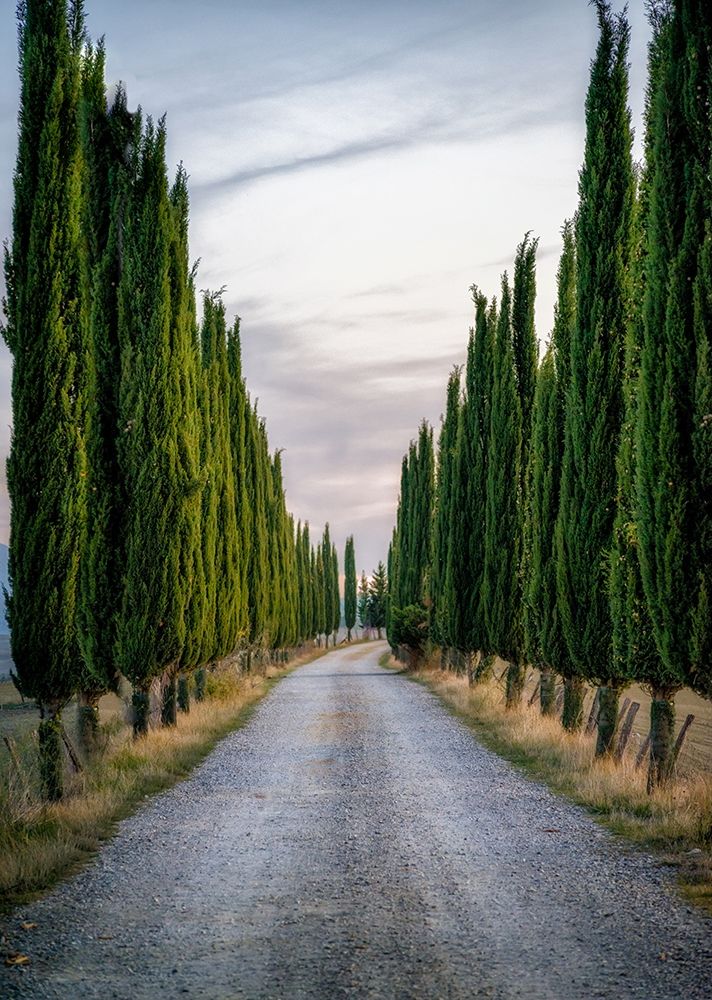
point(354, 840)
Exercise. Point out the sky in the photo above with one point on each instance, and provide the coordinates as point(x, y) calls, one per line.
point(354, 168)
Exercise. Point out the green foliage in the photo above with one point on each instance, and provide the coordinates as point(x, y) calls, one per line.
point(594, 403)
point(349, 585)
point(47, 331)
point(225, 609)
point(441, 591)
point(159, 506)
point(524, 343)
point(364, 603)
point(544, 640)
point(377, 598)
point(501, 591)
point(410, 627)
point(674, 428)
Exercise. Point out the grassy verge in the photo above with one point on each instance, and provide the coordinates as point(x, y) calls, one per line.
point(675, 822)
point(40, 844)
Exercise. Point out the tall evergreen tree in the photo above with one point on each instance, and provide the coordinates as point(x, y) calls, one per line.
point(544, 639)
point(327, 583)
point(540, 517)
point(364, 603)
point(187, 361)
point(258, 573)
point(307, 586)
point(441, 593)
point(349, 586)
point(335, 594)
point(238, 418)
point(151, 619)
point(501, 590)
point(377, 594)
point(594, 405)
point(320, 594)
point(107, 133)
point(674, 430)
point(525, 353)
point(227, 610)
point(47, 333)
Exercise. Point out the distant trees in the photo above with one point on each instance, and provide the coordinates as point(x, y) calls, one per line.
point(150, 535)
point(349, 586)
point(571, 527)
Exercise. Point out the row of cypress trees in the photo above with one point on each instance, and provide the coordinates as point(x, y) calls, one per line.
point(570, 524)
point(149, 531)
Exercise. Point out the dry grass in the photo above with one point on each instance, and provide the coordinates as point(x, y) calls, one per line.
point(40, 843)
point(675, 822)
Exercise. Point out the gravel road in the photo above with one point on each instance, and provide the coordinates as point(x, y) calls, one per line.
point(354, 840)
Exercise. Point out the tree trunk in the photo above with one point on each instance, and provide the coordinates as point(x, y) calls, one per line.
point(88, 721)
point(572, 718)
point(51, 758)
point(484, 667)
point(141, 702)
point(169, 700)
point(516, 678)
point(607, 720)
point(662, 735)
point(547, 691)
point(200, 684)
point(184, 693)
point(348, 635)
point(378, 632)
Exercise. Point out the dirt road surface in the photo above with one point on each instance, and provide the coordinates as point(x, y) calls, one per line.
point(354, 840)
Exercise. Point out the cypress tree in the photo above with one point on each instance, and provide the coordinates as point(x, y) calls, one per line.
point(47, 333)
point(391, 566)
point(544, 639)
point(349, 586)
point(300, 583)
point(151, 619)
point(466, 551)
point(225, 609)
point(320, 592)
point(195, 572)
point(540, 516)
point(307, 587)
point(335, 595)
point(673, 465)
point(422, 516)
point(501, 590)
point(441, 592)
point(187, 363)
point(106, 135)
point(633, 640)
point(364, 603)
point(584, 530)
point(256, 523)
point(377, 595)
point(525, 354)
point(238, 448)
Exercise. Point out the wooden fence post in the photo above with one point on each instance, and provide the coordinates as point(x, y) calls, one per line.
point(681, 738)
point(643, 752)
point(593, 715)
point(626, 731)
point(536, 692)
